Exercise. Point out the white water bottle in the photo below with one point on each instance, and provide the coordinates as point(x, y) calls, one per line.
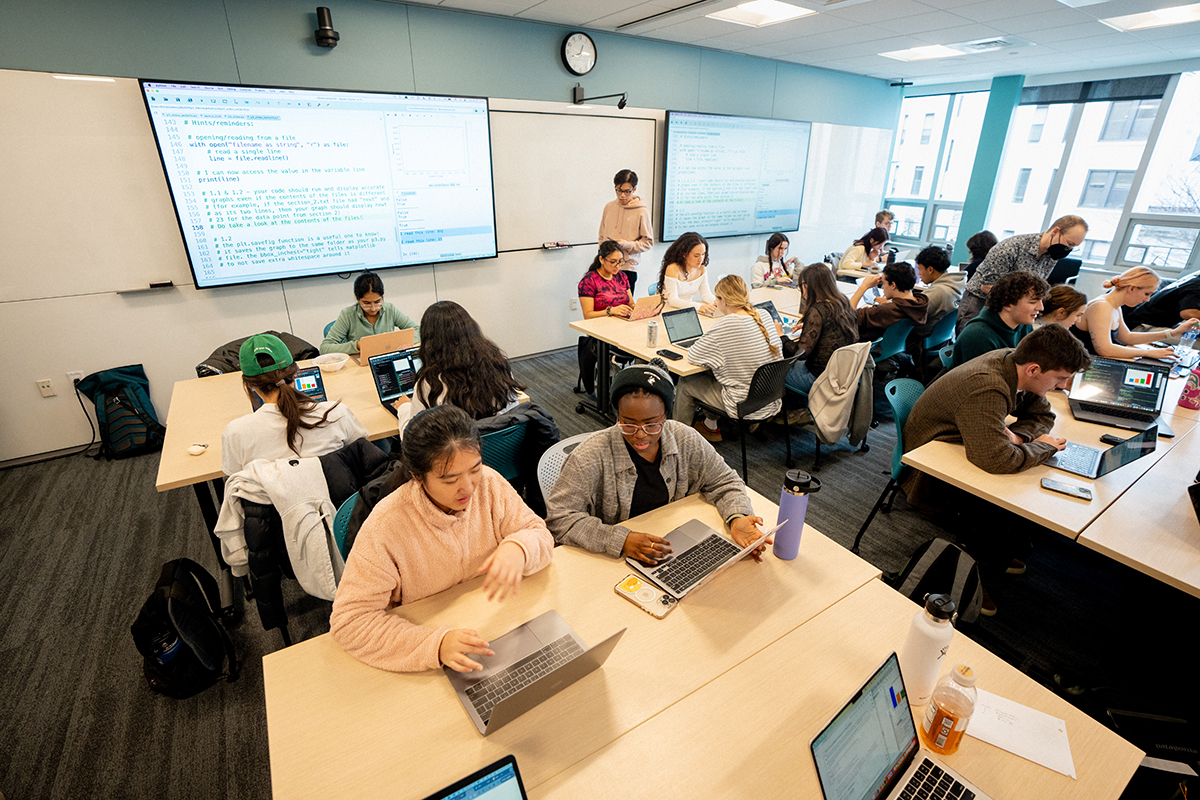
point(928, 640)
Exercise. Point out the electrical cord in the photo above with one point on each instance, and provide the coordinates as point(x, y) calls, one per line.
point(88, 416)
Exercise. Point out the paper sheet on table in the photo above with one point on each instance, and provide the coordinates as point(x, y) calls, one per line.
point(1023, 731)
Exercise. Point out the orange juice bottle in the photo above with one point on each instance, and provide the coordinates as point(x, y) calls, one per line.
point(950, 710)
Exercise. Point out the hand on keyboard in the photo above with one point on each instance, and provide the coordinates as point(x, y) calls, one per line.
point(503, 570)
point(646, 547)
point(455, 646)
point(1059, 444)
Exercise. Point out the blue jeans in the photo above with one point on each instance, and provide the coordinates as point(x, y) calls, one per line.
point(799, 378)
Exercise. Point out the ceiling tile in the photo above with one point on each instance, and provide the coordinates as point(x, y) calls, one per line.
point(1047, 20)
point(965, 33)
point(880, 10)
point(925, 23)
point(795, 29)
point(610, 22)
point(1007, 9)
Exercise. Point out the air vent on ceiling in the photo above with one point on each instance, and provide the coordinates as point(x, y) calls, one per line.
point(993, 43)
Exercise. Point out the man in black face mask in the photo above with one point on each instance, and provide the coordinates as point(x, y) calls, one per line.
point(1029, 252)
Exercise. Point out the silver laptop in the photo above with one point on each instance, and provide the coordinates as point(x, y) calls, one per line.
point(698, 554)
point(1123, 394)
point(682, 326)
point(870, 748)
point(1091, 462)
point(532, 663)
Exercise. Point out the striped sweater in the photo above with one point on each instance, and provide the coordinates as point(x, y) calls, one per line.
point(733, 349)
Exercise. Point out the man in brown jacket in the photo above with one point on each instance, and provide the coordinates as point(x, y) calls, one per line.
point(969, 405)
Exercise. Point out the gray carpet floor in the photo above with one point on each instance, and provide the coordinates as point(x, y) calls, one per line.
point(82, 543)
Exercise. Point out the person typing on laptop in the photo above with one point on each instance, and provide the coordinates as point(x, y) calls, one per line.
point(368, 316)
point(454, 519)
point(643, 462)
point(1102, 329)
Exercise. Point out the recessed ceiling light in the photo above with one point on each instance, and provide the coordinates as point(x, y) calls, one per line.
point(1176, 15)
point(760, 13)
point(923, 53)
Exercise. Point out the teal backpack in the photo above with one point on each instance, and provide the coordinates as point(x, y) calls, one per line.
point(125, 416)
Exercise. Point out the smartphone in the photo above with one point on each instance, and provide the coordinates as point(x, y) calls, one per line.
point(669, 354)
point(646, 596)
point(1082, 492)
point(1109, 438)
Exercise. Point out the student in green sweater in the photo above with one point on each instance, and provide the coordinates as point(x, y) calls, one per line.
point(1012, 305)
point(369, 316)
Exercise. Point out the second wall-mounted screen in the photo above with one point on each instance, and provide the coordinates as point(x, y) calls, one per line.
point(272, 182)
point(733, 176)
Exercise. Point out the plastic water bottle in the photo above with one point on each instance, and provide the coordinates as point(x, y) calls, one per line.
point(793, 504)
point(925, 648)
point(1188, 340)
point(950, 710)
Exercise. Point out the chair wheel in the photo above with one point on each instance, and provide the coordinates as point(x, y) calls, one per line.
point(579, 408)
point(866, 448)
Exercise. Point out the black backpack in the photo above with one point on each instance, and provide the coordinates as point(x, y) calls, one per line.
point(124, 413)
point(180, 635)
point(941, 567)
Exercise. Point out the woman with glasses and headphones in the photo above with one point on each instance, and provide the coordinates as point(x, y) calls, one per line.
point(370, 315)
point(643, 462)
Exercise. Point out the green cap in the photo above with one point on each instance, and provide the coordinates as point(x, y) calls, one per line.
point(264, 343)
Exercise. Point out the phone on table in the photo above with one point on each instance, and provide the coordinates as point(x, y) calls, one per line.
point(646, 596)
point(669, 354)
point(1082, 492)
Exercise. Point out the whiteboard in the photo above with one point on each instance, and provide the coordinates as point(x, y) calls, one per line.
point(553, 173)
point(84, 206)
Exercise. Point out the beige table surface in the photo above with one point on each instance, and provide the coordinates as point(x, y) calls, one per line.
point(339, 728)
point(1152, 527)
point(747, 733)
point(631, 337)
point(1023, 494)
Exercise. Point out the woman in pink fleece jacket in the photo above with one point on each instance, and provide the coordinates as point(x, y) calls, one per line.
point(626, 221)
point(453, 520)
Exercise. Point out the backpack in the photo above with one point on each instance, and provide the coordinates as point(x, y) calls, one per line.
point(180, 635)
point(125, 416)
point(940, 567)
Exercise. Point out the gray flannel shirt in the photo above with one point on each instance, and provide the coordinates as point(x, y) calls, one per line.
point(595, 487)
point(1014, 254)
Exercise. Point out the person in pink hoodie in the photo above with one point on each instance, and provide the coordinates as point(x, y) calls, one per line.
point(453, 520)
point(626, 221)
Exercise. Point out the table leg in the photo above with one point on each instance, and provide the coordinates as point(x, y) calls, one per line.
point(603, 384)
point(205, 492)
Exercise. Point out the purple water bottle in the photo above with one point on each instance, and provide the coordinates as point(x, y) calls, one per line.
point(793, 503)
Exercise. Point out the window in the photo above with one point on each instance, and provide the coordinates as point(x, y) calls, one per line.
point(962, 138)
point(927, 129)
point(1041, 158)
point(1160, 245)
point(1094, 250)
point(945, 224)
point(903, 128)
point(1172, 182)
point(1038, 123)
point(908, 222)
point(1050, 186)
point(1129, 120)
point(1022, 185)
point(1106, 188)
point(918, 174)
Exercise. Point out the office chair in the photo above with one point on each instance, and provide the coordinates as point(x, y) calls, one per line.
point(341, 522)
point(327, 327)
point(502, 450)
point(902, 394)
point(942, 333)
point(892, 342)
point(551, 463)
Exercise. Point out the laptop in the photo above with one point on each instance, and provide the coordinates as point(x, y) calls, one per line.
point(395, 375)
point(870, 748)
point(500, 780)
point(307, 381)
point(1122, 394)
point(1091, 462)
point(699, 554)
point(532, 663)
point(384, 343)
point(647, 307)
point(683, 327)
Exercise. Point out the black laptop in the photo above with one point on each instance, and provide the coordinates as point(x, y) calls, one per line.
point(1123, 394)
point(395, 375)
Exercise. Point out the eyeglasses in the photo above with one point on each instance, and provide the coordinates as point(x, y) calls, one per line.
point(619, 262)
point(650, 429)
point(624, 191)
point(369, 304)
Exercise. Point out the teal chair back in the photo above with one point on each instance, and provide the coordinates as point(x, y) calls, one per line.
point(652, 290)
point(341, 522)
point(327, 327)
point(893, 339)
point(942, 332)
point(502, 450)
point(946, 354)
point(902, 394)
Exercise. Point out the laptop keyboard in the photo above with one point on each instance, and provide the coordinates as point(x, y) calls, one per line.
point(686, 343)
point(1123, 413)
point(689, 567)
point(1075, 458)
point(931, 782)
point(492, 690)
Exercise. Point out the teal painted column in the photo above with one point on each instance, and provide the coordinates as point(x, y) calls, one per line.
point(1003, 99)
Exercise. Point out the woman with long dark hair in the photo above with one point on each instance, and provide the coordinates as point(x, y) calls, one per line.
point(774, 268)
point(452, 520)
point(604, 290)
point(864, 253)
point(829, 323)
point(288, 422)
point(683, 276)
point(368, 316)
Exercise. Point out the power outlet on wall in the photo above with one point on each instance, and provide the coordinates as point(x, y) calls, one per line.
point(45, 387)
point(574, 302)
point(74, 377)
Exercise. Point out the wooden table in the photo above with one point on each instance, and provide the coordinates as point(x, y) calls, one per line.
point(339, 728)
point(1022, 492)
point(747, 732)
point(1152, 527)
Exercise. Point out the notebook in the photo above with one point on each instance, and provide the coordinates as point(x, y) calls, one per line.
point(647, 307)
point(500, 780)
point(384, 343)
point(698, 554)
point(870, 748)
point(307, 381)
point(1091, 462)
point(683, 326)
point(395, 375)
point(1123, 394)
point(532, 663)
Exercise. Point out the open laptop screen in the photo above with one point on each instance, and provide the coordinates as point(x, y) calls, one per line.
point(867, 747)
point(682, 324)
point(497, 781)
point(1127, 384)
point(395, 373)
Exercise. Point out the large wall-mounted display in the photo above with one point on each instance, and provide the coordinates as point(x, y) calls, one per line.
point(272, 182)
point(733, 176)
